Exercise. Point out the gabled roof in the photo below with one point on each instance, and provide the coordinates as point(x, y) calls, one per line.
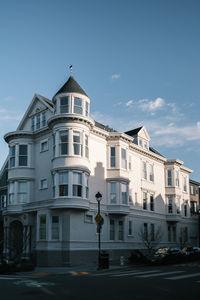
point(46, 100)
point(71, 86)
point(48, 103)
point(133, 131)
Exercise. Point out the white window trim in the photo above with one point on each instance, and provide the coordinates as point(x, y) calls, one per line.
point(130, 220)
point(43, 188)
point(91, 215)
point(42, 142)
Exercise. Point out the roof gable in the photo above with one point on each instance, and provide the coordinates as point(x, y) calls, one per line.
point(140, 131)
point(38, 103)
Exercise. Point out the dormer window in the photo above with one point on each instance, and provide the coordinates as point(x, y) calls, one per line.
point(64, 105)
point(78, 109)
point(38, 121)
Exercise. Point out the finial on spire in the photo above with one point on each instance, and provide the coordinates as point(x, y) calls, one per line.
point(70, 70)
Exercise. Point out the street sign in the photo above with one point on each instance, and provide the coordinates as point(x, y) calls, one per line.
point(99, 219)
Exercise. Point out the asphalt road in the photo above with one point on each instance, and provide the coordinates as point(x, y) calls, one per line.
point(160, 282)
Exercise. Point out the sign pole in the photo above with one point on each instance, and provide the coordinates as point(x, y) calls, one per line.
point(99, 237)
point(99, 221)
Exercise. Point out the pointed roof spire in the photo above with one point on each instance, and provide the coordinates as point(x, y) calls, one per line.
point(70, 70)
point(71, 86)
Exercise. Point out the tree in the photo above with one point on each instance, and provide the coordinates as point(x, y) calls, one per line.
point(150, 239)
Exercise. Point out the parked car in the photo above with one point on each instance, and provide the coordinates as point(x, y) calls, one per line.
point(192, 253)
point(167, 255)
point(15, 265)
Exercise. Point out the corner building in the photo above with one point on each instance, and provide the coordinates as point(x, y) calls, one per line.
point(59, 158)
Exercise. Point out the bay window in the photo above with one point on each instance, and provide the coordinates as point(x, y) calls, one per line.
point(12, 156)
point(112, 157)
point(86, 109)
point(177, 178)
point(112, 229)
point(170, 204)
point(113, 196)
point(23, 155)
point(11, 193)
point(151, 202)
point(123, 158)
point(121, 230)
point(64, 105)
point(22, 192)
point(63, 184)
point(86, 186)
point(78, 109)
point(64, 142)
point(77, 143)
point(124, 193)
point(144, 200)
point(169, 177)
point(42, 227)
point(77, 184)
point(55, 227)
point(86, 146)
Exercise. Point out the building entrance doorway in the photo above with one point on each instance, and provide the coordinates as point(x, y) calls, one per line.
point(16, 240)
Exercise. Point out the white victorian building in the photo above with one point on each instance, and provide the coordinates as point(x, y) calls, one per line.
point(59, 158)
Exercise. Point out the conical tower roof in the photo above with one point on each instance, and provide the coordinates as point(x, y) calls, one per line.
point(71, 86)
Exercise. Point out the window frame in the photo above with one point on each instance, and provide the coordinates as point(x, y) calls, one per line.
point(77, 187)
point(63, 187)
point(64, 133)
point(22, 192)
point(112, 157)
point(77, 107)
point(42, 187)
point(56, 228)
point(42, 143)
point(63, 106)
point(41, 228)
point(12, 156)
point(23, 156)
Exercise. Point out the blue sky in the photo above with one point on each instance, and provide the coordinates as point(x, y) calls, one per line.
point(139, 62)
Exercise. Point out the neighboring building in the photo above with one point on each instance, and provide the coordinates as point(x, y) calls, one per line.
point(59, 158)
point(3, 201)
point(194, 197)
point(195, 202)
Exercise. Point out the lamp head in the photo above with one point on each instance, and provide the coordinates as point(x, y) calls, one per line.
point(98, 196)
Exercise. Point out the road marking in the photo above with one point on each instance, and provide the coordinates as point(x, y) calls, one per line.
point(33, 283)
point(12, 277)
point(79, 273)
point(183, 276)
point(135, 273)
point(160, 274)
point(110, 273)
point(8, 278)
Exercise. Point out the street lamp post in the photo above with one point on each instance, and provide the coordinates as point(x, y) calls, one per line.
point(98, 197)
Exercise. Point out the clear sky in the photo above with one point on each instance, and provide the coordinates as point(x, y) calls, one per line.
point(138, 60)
